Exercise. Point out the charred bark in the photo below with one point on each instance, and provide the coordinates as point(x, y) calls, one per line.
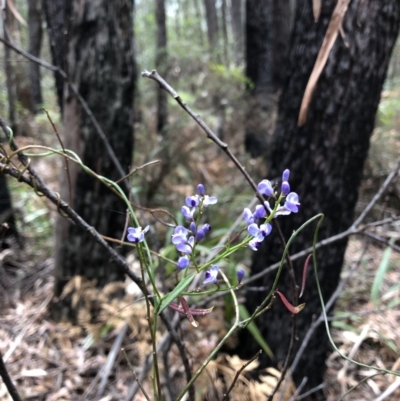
point(161, 66)
point(259, 73)
point(101, 65)
point(57, 13)
point(35, 43)
point(326, 158)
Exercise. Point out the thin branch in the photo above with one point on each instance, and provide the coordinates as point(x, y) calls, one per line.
point(378, 195)
point(7, 381)
point(238, 374)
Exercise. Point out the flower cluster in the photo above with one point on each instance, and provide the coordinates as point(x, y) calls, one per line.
point(291, 205)
point(185, 239)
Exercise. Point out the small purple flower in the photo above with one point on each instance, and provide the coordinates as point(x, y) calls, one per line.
point(180, 235)
point(291, 205)
point(285, 175)
point(259, 212)
point(200, 234)
point(248, 216)
point(240, 275)
point(292, 202)
point(209, 200)
point(201, 189)
point(265, 187)
point(259, 232)
point(183, 262)
point(211, 275)
point(285, 188)
point(186, 247)
point(193, 227)
point(187, 213)
point(254, 244)
point(192, 201)
point(137, 234)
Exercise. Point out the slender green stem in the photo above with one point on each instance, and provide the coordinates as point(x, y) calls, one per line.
point(218, 347)
point(152, 329)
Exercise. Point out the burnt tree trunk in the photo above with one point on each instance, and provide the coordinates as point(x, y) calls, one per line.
point(259, 73)
point(35, 43)
point(161, 66)
point(326, 158)
point(101, 65)
point(57, 13)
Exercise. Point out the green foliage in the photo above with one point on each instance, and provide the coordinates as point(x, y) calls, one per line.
point(380, 275)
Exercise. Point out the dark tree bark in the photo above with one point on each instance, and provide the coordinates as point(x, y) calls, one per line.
point(161, 66)
point(35, 43)
point(57, 13)
point(237, 29)
point(259, 72)
point(10, 81)
point(281, 26)
point(326, 158)
point(212, 24)
point(268, 27)
point(101, 65)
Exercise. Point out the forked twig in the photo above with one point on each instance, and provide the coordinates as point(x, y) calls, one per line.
point(225, 397)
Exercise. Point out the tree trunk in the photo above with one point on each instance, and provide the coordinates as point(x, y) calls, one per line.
point(199, 19)
point(224, 32)
point(237, 29)
point(101, 65)
point(8, 69)
point(35, 42)
point(326, 158)
point(259, 72)
point(161, 66)
point(281, 26)
point(57, 14)
point(212, 24)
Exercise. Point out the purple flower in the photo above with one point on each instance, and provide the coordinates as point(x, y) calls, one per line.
point(259, 232)
point(292, 202)
point(240, 275)
point(187, 213)
point(285, 175)
point(193, 227)
point(180, 235)
point(211, 275)
point(136, 234)
point(265, 187)
point(201, 189)
point(183, 262)
point(285, 188)
point(254, 244)
point(259, 212)
point(291, 205)
point(186, 247)
point(201, 232)
point(248, 216)
point(209, 200)
point(192, 201)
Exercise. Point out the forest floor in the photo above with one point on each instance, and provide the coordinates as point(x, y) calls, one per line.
point(53, 361)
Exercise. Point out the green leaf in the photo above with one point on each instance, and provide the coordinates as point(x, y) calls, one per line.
point(380, 275)
point(175, 292)
point(244, 314)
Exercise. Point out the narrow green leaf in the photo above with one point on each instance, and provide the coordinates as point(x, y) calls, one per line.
point(175, 292)
point(244, 314)
point(380, 275)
